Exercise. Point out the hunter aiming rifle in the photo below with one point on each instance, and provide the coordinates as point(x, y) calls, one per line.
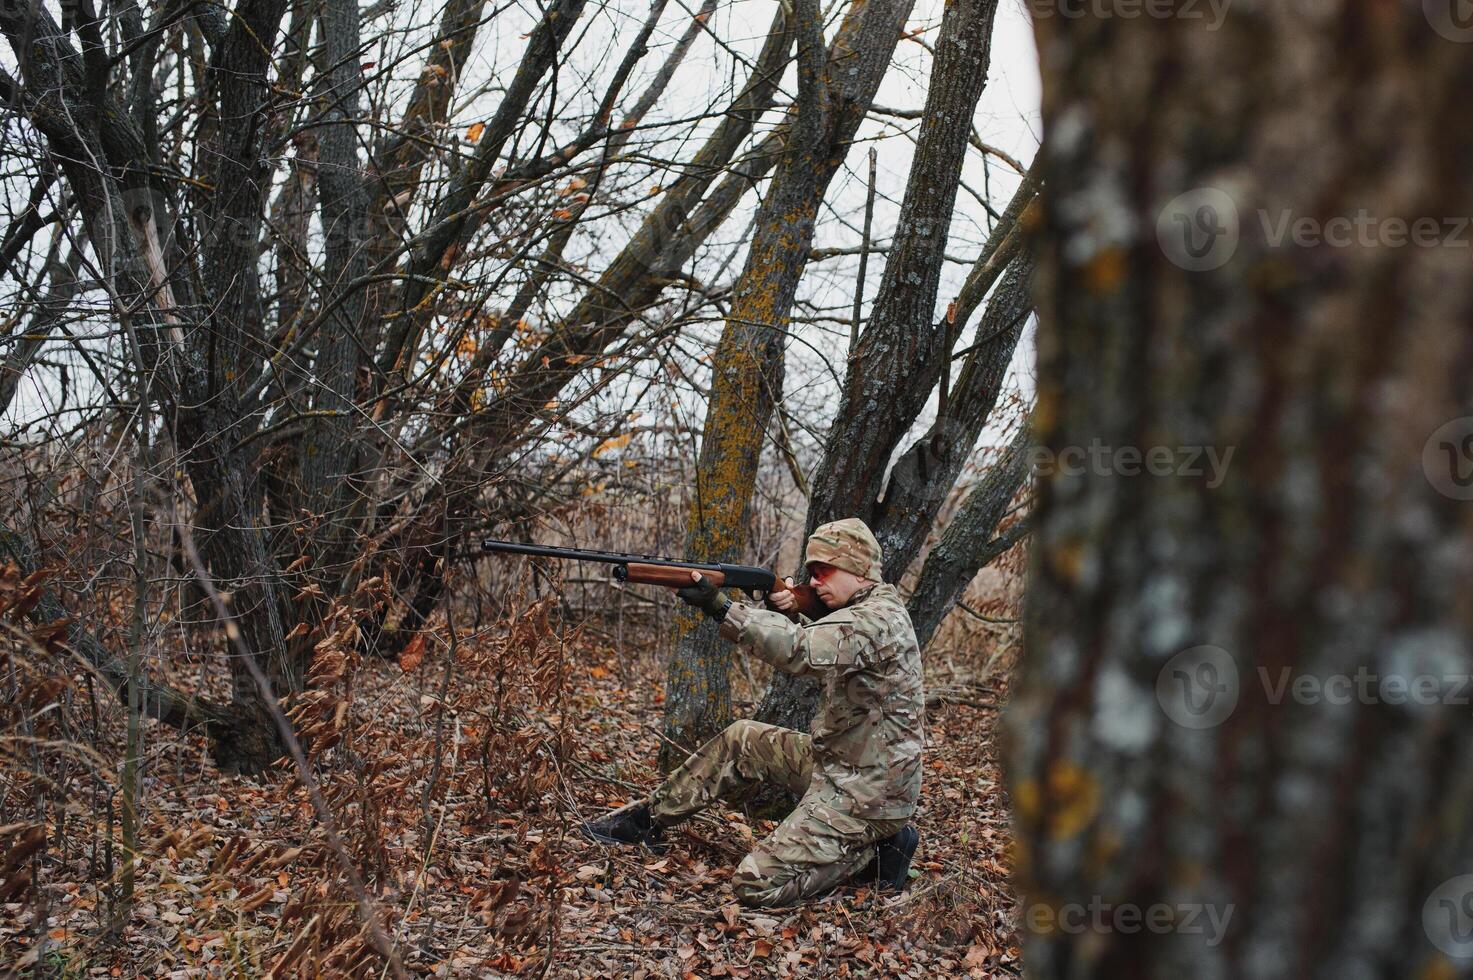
point(674, 574)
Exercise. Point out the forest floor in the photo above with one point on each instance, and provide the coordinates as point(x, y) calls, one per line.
point(456, 784)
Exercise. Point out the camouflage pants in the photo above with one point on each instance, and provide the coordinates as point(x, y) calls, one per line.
point(815, 848)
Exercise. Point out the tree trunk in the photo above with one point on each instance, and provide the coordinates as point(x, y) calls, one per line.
point(329, 452)
point(902, 350)
point(1239, 725)
point(835, 94)
point(966, 545)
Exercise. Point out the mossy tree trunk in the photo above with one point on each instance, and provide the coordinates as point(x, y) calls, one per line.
point(836, 90)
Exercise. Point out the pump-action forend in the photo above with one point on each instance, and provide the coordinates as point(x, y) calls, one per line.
point(674, 573)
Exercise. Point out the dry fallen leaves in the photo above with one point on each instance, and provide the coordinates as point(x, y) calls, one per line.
point(413, 653)
point(235, 864)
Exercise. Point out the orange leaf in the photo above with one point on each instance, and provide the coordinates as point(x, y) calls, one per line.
point(474, 133)
point(611, 444)
point(413, 653)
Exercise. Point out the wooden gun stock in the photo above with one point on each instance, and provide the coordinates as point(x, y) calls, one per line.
point(678, 577)
point(809, 604)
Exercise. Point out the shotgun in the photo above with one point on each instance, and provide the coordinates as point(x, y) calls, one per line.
point(673, 573)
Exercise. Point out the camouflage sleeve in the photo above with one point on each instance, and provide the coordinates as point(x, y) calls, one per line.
point(810, 647)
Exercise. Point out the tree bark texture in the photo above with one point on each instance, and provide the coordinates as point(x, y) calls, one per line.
point(1180, 737)
point(965, 545)
point(835, 94)
point(904, 346)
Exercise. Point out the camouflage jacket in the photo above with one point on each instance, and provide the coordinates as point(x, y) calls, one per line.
point(868, 734)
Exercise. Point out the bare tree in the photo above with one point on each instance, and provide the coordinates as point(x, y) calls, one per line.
point(351, 353)
point(836, 89)
point(903, 354)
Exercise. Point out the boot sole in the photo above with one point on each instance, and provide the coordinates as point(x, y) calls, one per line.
point(593, 835)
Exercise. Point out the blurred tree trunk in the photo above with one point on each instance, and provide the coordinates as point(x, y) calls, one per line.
point(1158, 754)
point(835, 92)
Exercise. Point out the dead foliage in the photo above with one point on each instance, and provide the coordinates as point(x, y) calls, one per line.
point(454, 778)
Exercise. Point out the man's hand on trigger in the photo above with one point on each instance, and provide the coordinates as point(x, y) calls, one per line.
point(785, 601)
point(705, 596)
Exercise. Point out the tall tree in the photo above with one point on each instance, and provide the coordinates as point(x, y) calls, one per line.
point(1179, 740)
point(836, 89)
point(905, 349)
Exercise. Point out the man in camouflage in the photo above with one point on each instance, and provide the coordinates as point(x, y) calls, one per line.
point(859, 773)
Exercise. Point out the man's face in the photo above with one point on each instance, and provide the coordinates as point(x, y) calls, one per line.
point(834, 585)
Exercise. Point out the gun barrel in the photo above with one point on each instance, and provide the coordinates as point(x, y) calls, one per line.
point(582, 554)
point(669, 572)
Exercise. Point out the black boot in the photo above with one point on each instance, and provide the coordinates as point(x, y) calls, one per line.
point(629, 824)
point(890, 868)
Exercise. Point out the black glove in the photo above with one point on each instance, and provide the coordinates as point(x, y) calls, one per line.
point(706, 597)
